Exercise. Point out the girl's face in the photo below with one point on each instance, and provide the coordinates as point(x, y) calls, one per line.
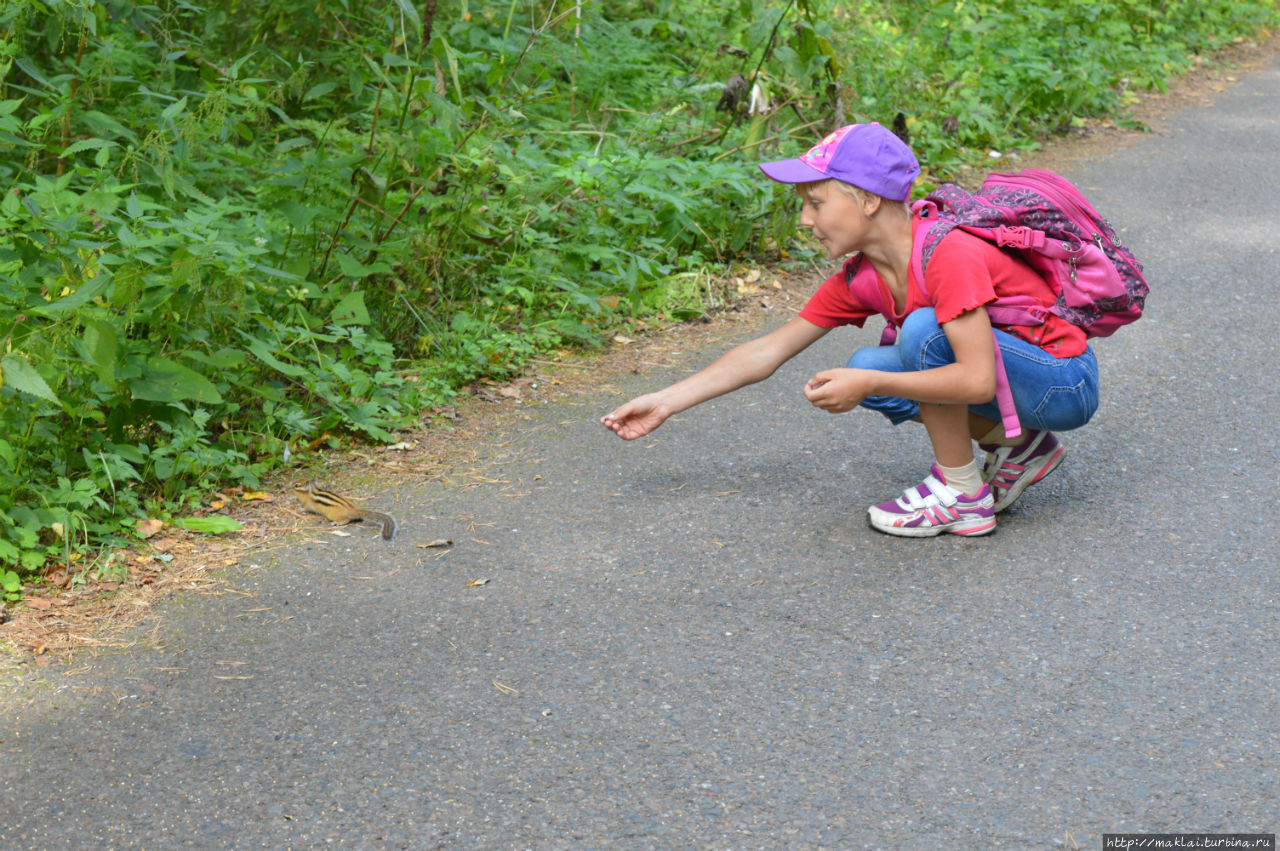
point(837, 220)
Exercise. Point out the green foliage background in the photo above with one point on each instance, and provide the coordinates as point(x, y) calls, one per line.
point(227, 225)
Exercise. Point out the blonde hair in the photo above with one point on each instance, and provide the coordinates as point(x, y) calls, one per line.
point(857, 193)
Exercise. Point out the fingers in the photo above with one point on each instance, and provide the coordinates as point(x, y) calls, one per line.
point(813, 388)
point(831, 391)
point(615, 419)
point(819, 379)
point(628, 422)
point(614, 423)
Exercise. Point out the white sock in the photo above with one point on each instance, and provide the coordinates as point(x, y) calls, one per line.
point(966, 479)
point(996, 437)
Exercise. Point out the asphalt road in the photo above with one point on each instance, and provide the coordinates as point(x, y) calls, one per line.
point(695, 640)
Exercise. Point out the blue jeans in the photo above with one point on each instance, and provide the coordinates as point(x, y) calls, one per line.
point(1049, 393)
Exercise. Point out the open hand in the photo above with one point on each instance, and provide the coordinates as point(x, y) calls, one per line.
point(636, 418)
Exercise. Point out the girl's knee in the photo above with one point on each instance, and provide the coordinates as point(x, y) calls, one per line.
point(922, 319)
point(919, 332)
point(882, 358)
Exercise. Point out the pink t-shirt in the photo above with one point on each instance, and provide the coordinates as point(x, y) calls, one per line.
point(964, 273)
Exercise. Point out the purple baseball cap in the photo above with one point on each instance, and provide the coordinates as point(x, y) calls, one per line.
point(867, 155)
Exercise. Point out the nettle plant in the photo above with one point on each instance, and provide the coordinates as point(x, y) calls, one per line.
point(160, 333)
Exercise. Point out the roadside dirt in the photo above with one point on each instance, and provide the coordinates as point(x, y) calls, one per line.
point(69, 617)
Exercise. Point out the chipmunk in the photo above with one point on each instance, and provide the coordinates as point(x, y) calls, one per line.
point(339, 510)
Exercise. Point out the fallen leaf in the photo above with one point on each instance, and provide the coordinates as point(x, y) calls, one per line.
point(476, 582)
point(149, 526)
point(164, 545)
point(340, 533)
point(509, 392)
point(59, 578)
point(623, 340)
point(400, 447)
point(438, 542)
point(217, 504)
point(214, 525)
point(258, 496)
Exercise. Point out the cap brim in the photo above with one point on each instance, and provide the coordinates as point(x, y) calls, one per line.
point(791, 171)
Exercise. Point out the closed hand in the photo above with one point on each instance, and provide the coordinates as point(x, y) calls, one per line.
point(839, 390)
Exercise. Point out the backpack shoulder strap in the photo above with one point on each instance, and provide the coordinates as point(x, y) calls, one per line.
point(864, 286)
point(1009, 311)
point(927, 210)
point(864, 283)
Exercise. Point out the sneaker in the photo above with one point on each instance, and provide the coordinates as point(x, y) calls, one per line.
point(1012, 469)
point(933, 507)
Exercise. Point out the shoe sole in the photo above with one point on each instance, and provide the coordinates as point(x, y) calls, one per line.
point(969, 528)
point(1008, 497)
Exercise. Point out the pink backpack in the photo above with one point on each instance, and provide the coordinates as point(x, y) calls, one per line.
point(1098, 281)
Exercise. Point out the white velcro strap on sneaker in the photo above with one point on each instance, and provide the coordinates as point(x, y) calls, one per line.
point(940, 493)
point(994, 461)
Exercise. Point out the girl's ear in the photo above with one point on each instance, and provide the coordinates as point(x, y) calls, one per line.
point(871, 203)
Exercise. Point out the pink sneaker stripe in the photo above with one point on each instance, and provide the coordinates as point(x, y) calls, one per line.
point(976, 530)
point(1044, 471)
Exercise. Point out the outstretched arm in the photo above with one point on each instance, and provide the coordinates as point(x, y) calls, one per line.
point(745, 364)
